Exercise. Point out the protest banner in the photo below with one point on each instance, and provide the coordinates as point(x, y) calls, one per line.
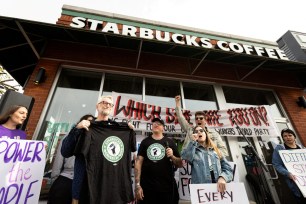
point(207, 193)
point(21, 172)
point(295, 162)
point(253, 121)
point(184, 179)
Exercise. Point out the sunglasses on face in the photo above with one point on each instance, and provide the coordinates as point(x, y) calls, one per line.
point(199, 118)
point(197, 131)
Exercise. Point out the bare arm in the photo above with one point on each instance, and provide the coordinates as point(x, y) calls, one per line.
point(177, 161)
point(137, 171)
point(181, 119)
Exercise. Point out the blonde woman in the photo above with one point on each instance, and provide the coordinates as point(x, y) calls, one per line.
point(207, 163)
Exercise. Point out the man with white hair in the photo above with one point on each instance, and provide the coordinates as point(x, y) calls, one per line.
point(94, 148)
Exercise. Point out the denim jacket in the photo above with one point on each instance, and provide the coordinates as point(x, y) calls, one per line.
point(216, 138)
point(280, 168)
point(197, 156)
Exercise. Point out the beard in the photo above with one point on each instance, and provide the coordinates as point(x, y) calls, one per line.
point(105, 112)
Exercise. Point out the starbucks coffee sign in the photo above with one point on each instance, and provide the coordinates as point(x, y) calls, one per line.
point(178, 38)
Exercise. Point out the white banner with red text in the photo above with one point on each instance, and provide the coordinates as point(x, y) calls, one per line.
point(252, 121)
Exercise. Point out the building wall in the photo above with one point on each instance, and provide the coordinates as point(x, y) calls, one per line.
point(296, 114)
point(111, 59)
point(40, 92)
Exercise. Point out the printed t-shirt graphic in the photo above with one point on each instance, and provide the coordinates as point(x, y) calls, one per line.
point(157, 169)
point(107, 150)
point(156, 152)
point(6, 133)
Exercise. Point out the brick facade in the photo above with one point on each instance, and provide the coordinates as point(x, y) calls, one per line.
point(111, 59)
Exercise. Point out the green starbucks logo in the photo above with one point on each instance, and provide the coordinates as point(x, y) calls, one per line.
point(113, 149)
point(156, 152)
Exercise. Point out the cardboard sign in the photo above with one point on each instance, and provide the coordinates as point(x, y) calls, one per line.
point(253, 121)
point(207, 193)
point(295, 162)
point(22, 167)
point(184, 179)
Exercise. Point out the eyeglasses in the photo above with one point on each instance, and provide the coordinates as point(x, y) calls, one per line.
point(199, 118)
point(197, 131)
point(107, 104)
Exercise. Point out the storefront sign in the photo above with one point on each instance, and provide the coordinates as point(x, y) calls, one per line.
point(295, 162)
point(252, 121)
point(21, 172)
point(182, 39)
point(207, 193)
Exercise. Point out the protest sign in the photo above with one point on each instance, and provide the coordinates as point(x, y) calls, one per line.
point(207, 193)
point(295, 162)
point(21, 172)
point(253, 121)
point(184, 179)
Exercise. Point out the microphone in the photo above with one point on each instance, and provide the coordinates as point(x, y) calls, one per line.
point(167, 146)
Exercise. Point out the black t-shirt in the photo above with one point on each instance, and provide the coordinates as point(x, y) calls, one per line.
point(107, 148)
point(287, 147)
point(157, 172)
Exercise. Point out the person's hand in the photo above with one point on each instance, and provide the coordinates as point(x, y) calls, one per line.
point(169, 152)
point(139, 193)
point(178, 101)
point(221, 184)
point(131, 126)
point(195, 137)
point(83, 124)
point(291, 176)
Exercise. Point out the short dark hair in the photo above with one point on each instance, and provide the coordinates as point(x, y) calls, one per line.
point(287, 130)
point(199, 113)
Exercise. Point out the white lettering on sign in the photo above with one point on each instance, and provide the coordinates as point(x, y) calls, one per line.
point(151, 34)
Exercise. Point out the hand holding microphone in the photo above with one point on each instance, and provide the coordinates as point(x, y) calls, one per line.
point(169, 151)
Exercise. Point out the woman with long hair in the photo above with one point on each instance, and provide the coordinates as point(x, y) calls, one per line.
point(64, 173)
point(11, 121)
point(207, 163)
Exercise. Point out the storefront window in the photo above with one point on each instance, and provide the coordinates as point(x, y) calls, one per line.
point(199, 97)
point(236, 97)
point(161, 92)
point(76, 95)
point(128, 85)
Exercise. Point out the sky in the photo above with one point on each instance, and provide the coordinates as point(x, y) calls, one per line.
point(261, 19)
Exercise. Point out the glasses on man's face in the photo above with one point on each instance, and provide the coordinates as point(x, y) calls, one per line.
point(197, 131)
point(107, 104)
point(199, 118)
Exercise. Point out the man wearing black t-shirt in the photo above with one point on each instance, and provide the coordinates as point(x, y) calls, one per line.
point(154, 168)
point(103, 158)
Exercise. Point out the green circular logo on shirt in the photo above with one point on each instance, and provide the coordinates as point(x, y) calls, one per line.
point(113, 149)
point(156, 152)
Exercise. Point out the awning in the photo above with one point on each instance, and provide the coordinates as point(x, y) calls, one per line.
point(22, 44)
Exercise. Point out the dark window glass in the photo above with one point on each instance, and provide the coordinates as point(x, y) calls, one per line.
point(80, 80)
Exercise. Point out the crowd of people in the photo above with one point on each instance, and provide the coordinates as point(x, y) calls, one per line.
point(82, 174)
